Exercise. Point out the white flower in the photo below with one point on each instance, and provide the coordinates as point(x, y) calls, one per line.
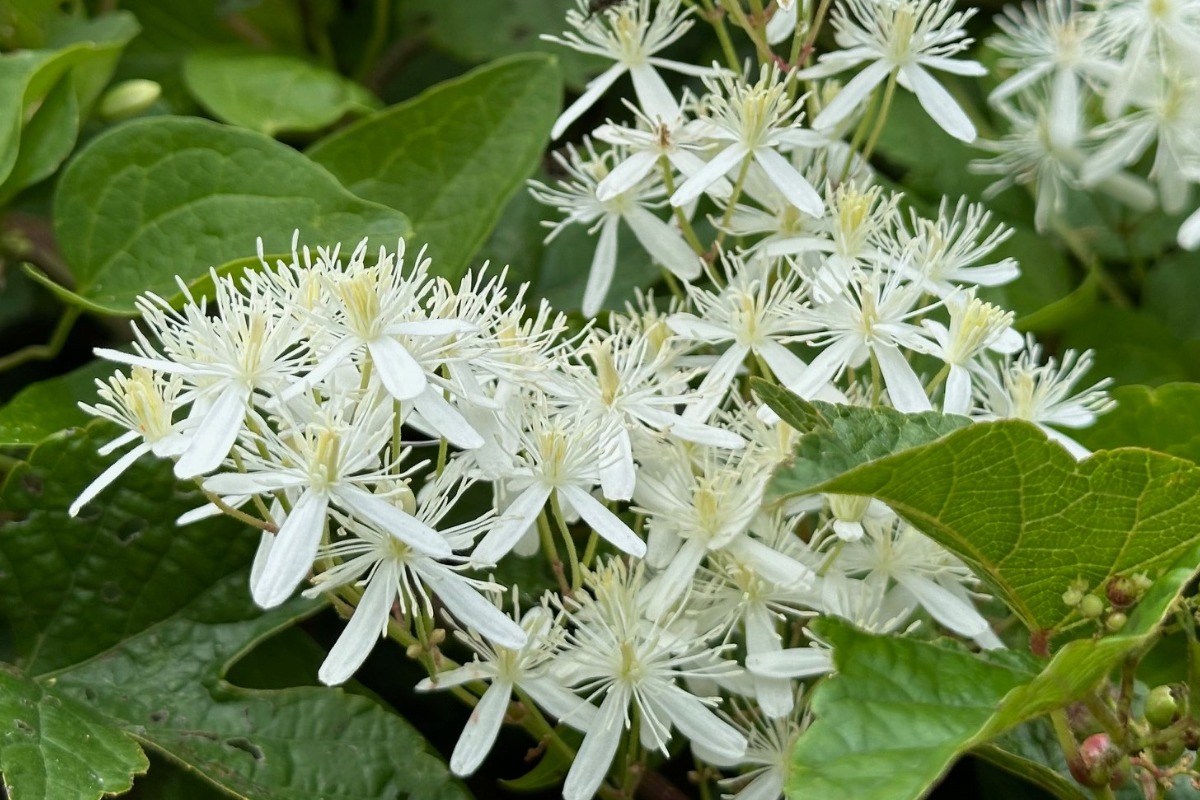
point(577, 198)
point(944, 252)
point(320, 463)
point(250, 345)
point(869, 320)
point(628, 36)
point(1021, 388)
point(526, 668)
point(563, 454)
point(901, 39)
point(631, 661)
point(974, 327)
point(144, 404)
point(754, 122)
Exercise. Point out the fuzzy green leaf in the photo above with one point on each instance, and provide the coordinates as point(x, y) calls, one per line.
point(451, 158)
point(272, 93)
point(169, 196)
point(1016, 507)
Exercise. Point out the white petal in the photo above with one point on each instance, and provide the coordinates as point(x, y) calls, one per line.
point(454, 677)
point(260, 558)
point(591, 93)
point(604, 263)
point(903, 387)
point(798, 662)
point(400, 373)
point(366, 625)
point(390, 519)
point(617, 474)
point(716, 383)
point(664, 243)
point(472, 610)
point(673, 582)
point(230, 483)
point(604, 522)
point(599, 746)
point(798, 191)
point(701, 330)
point(943, 605)
point(698, 722)
point(1189, 231)
point(626, 175)
point(293, 551)
point(479, 734)
point(212, 439)
point(515, 520)
point(958, 391)
point(852, 95)
point(446, 420)
point(156, 364)
point(565, 706)
point(652, 93)
point(788, 367)
point(938, 103)
point(690, 430)
point(780, 569)
point(721, 163)
point(110, 474)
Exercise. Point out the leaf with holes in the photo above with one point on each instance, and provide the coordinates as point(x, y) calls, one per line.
point(451, 158)
point(132, 624)
point(168, 196)
point(1015, 506)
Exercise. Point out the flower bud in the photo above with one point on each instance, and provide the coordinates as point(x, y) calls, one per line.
point(1072, 597)
point(1116, 621)
point(1091, 606)
point(1165, 754)
point(1162, 708)
point(129, 98)
point(1122, 591)
point(1092, 766)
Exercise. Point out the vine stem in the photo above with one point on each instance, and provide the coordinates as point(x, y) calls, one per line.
point(47, 351)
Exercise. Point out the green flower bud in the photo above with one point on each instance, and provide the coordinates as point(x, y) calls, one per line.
point(129, 98)
point(1091, 606)
point(1162, 708)
point(1116, 621)
point(1165, 754)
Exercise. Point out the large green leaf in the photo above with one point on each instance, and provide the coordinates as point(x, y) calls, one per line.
point(46, 92)
point(137, 622)
point(1163, 418)
point(1013, 505)
point(1133, 346)
point(161, 197)
point(1170, 293)
point(272, 93)
point(900, 711)
point(452, 157)
point(43, 409)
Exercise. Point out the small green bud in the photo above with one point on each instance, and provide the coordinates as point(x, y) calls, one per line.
point(1167, 753)
point(1162, 708)
point(1072, 597)
point(1116, 621)
point(1091, 606)
point(1122, 591)
point(1093, 765)
point(129, 98)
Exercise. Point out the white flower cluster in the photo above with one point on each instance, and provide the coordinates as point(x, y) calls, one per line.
point(1094, 89)
point(351, 411)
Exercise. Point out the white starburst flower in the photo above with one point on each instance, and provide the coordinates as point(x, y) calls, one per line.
point(250, 345)
point(144, 404)
point(631, 661)
point(975, 326)
point(869, 319)
point(1151, 37)
point(629, 36)
point(526, 668)
point(945, 252)
point(754, 123)
point(905, 39)
point(1019, 387)
point(768, 755)
point(558, 453)
point(324, 462)
point(925, 570)
point(577, 199)
point(694, 509)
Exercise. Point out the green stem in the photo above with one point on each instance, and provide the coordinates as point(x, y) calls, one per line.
point(44, 352)
point(568, 540)
point(716, 18)
point(1064, 734)
point(380, 29)
point(551, 551)
point(881, 117)
point(876, 381)
point(685, 225)
point(237, 514)
point(733, 198)
point(734, 7)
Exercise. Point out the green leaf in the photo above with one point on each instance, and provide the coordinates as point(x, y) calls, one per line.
point(272, 93)
point(895, 716)
point(1169, 294)
point(1162, 418)
point(1133, 346)
point(48, 407)
point(53, 746)
point(47, 92)
point(452, 157)
point(168, 196)
point(139, 621)
point(1016, 507)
